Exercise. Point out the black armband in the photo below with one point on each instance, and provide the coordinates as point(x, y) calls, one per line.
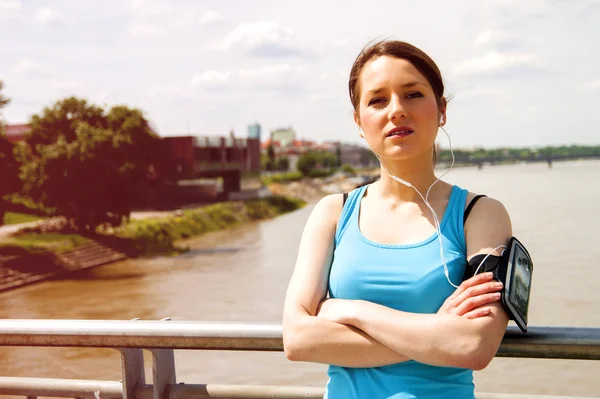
point(514, 269)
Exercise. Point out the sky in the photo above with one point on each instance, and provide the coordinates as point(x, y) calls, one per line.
point(520, 73)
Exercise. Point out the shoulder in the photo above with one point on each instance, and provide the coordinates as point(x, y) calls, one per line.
point(488, 225)
point(328, 209)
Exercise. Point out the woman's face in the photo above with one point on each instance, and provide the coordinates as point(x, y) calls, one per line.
point(398, 111)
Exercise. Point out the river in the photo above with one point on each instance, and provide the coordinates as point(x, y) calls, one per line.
point(242, 274)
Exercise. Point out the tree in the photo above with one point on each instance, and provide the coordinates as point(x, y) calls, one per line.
point(9, 174)
point(338, 154)
point(9, 168)
point(92, 167)
point(283, 164)
point(271, 156)
point(3, 100)
point(306, 163)
point(62, 119)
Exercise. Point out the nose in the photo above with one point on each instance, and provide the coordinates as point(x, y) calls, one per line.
point(396, 108)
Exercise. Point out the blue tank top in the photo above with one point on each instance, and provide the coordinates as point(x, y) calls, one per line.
point(409, 278)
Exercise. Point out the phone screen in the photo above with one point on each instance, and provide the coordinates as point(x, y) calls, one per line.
point(521, 281)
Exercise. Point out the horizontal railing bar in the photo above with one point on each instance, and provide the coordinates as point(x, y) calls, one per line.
point(112, 390)
point(198, 391)
point(54, 387)
point(552, 343)
point(539, 342)
point(188, 391)
point(141, 334)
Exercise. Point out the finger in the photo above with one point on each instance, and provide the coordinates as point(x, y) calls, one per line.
point(476, 313)
point(481, 289)
point(477, 302)
point(473, 281)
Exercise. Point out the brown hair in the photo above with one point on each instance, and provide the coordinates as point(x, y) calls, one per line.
point(403, 50)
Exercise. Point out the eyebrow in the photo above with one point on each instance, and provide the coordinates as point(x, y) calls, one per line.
point(405, 85)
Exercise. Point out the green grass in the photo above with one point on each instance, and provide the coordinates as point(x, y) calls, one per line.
point(16, 218)
point(159, 235)
point(54, 242)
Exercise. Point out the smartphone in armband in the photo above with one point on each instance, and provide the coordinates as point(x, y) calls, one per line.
point(514, 269)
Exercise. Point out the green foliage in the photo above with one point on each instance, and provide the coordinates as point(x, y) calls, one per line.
point(35, 242)
point(480, 155)
point(9, 168)
point(9, 172)
point(85, 163)
point(270, 164)
point(346, 168)
point(4, 101)
point(17, 218)
point(283, 164)
point(311, 161)
point(281, 178)
point(152, 236)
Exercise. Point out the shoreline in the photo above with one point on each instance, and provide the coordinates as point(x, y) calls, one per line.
point(145, 238)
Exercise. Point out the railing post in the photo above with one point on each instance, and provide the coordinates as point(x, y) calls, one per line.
point(132, 371)
point(163, 372)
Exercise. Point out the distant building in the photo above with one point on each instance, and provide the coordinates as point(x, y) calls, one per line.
point(187, 157)
point(254, 131)
point(16, 133)
point(285, 136)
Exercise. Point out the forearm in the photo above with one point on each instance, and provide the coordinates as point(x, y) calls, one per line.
point(436, 339)
point(314, 339)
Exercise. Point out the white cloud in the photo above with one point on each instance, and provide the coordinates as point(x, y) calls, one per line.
point(267, 77)
point(271, 71)
point(494, 62)
point(63, 85)
point(211, 79)
point(164, 90)
point(101, 97)
point(155, 17)
point(261, 38)
point(30, 67)
point(340, 42)
point(8, 5)
point(493, 38)
point(11, 10)
point(211, 18)
point(592, 85)
point(150, 8)
point(140, 30)
point(47, 15)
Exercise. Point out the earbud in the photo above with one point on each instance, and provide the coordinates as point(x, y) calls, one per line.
point(360, 133)
point(441, 120)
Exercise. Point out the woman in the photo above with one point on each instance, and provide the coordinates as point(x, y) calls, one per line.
point(395, 324)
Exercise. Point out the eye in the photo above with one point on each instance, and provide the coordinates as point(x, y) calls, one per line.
point(414, 94)
point(375, 101)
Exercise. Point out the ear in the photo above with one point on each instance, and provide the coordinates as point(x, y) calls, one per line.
point(358, 125)
point(443, 117)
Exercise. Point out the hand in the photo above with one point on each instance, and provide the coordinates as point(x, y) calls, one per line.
point(471, 296)
point(336, 310)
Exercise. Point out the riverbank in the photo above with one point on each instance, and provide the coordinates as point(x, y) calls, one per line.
point(49, 249)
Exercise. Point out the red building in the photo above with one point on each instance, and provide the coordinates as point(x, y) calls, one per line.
point(16, 133)
point(187, 157)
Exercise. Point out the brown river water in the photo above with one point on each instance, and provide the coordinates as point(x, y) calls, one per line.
point(242, 274)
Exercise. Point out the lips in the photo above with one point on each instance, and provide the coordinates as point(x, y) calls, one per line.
point(401, 131)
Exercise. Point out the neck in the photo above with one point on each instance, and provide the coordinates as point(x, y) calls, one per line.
point(416, 171)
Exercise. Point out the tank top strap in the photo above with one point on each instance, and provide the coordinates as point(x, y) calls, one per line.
point(455, 214)
point(350, 207)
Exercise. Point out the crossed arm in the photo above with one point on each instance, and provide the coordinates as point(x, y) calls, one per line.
point(466, 331)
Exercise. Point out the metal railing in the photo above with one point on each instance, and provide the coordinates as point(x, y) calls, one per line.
point(160, 338)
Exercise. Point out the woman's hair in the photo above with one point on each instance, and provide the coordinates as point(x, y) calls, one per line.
point(396, 49)
point(402, 50)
